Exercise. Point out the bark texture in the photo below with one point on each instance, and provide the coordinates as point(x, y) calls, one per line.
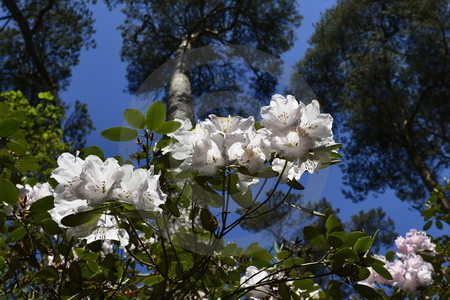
point(179, 100)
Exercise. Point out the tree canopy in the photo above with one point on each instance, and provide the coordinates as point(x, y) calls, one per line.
point(41, 43)
point(155, 32)
point(383, 69)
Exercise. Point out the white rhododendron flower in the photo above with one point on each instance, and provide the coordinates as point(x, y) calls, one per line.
point(295, 128)
point(282, 113)
point(140, 188)
point(252, 277)
point(27, 196)
point(292, 131)
point(87, 184)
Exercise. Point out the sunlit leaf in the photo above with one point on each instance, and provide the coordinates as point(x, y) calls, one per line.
point(120, 134)
point(134, 117)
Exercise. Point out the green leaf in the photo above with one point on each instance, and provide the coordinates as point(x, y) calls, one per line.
point(367, 292)
point(266, 173)
point(172, 207)
point(229, 249)
point(314, 235)
point(351, 238)
point(304, 284)
point(93, 150)
point(438, 224)
point(28, 163)
point(50, 227)
point(164, 142)
point(427, 225)
point(390, 255)
point(208, 220)
point(363, 244)
point(134, 117)
point(153, 279)
point(120, 134)
point(8, 192)
point(344, 254)
point(381, 270)
point(168, 127)
point(47, 272)
point(156, 114)
point(336, 238)
point(16, 147)
point(295, 185)
point(75, 273)
point(8, 127)
point(17, 234)
point(333, 224)
point(82, 217)
point(244, 200)
point(258, 252)
point(43, 204)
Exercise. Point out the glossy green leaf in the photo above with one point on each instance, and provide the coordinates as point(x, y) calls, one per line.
point(351, 238)
point(367, 292)
point(75, 273)
point(134, 117)
point(295, 185)
point(333, 224)
point(8, 127)
point(93, 150)
point(81, 218)
point(304, 284)
point(164, 142)
point(427, 225)
point(229, 249)
point(363, 244)
point(153, 279)
point(336, 238)
point(208, 220)
point(156, 114)
point(28, 163)
point(8, 192)
point(244, 200)
point(43, 204)
point(17, 234)
point(168, 127)
point(50, 227)
point(258, 252)
point(47, 273)
point(16, 147)
point(120, 134)
point(381, 270)
point(314, 235)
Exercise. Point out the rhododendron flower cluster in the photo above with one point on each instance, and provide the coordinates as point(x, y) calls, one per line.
point(254, 277)
point(409, 271)
point(28, 195)
point(87, 184)
point(291, 132)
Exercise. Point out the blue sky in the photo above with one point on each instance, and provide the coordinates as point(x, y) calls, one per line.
point(99, 80)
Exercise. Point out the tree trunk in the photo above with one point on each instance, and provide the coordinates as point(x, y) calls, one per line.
point(179, 101)
point(424, 171)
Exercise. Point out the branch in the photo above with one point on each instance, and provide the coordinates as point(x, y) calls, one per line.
point(27, 35)
point(40, 17)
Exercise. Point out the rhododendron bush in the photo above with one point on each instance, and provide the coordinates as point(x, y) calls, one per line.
point(107, 228)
